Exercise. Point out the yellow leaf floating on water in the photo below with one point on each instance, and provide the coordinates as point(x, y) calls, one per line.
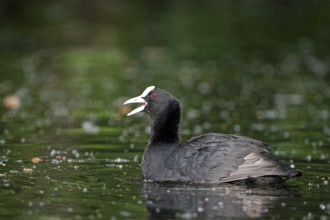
point(27, 170)
point(12, 102)
point(36, 160)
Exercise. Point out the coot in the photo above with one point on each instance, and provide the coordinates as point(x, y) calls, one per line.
point(208, 158)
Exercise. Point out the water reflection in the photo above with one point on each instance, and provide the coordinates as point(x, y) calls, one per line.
point(168, 201)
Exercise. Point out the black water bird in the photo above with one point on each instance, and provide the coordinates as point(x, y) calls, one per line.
point(208, 158)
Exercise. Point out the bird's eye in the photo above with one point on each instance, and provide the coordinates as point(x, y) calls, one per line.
point(153, 95)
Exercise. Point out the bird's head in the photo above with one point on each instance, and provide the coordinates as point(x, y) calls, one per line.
point(155, 101)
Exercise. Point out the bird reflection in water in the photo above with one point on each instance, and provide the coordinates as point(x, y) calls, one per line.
point(172, 201)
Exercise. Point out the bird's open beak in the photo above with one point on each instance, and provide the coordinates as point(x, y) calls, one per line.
point(139, 99)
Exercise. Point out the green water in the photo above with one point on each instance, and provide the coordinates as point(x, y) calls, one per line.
point(256, 68)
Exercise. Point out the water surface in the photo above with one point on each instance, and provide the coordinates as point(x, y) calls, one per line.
point(259, 69)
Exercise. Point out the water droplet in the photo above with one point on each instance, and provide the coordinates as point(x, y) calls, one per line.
point(6, 131)
point(204, 87)
point(198, 129)
point(309, 215)
point(323, 217)
point(249, 192)
point(323, 207)
point(237, 128)
point(320, 143)
point(136, 158)
point(89, 127)
point(52, 153)
point(286, 134)
point(193, 113)
point(124, 213)
point(323, 157)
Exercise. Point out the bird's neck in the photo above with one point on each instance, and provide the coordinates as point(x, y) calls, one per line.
point(165, 128)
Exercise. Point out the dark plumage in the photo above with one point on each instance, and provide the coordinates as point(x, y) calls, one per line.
point(209, 158)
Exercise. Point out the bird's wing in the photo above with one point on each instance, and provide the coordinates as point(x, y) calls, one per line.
point(213, 158)
point(257, 165)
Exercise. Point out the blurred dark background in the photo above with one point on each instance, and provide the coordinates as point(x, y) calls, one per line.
point(230, 51)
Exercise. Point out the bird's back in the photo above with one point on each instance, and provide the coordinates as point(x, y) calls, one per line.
point(216, 158)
